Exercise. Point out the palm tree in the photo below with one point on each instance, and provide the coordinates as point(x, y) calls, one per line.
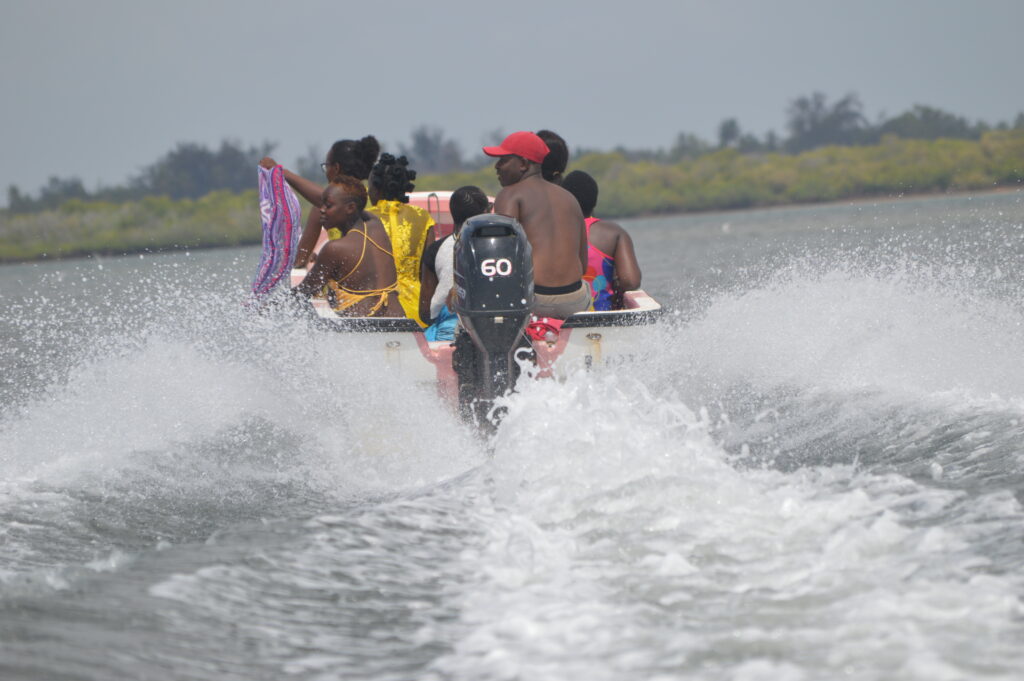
point(813, 123)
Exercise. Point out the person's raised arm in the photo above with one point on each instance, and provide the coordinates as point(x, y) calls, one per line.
point(311, 230)
point(308, 189)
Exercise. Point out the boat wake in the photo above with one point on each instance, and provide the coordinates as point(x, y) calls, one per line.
point(817, 472)
point(846, 496)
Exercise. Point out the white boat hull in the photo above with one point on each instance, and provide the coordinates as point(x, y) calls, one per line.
point(592, 341)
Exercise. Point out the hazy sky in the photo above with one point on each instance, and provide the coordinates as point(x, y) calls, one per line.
point(101, 88)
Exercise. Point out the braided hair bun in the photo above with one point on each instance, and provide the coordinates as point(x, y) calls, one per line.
point(393, 178)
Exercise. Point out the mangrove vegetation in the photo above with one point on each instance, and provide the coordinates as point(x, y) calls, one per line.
point(195, 197)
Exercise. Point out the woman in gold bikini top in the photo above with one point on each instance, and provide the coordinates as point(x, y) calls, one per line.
point(356, 273)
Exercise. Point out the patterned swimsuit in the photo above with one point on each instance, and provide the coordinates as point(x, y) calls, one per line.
point(600, 273)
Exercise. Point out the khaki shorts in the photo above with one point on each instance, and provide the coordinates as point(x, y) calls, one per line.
point(562, 305)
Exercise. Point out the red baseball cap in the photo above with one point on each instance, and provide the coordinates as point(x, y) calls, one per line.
point(521, 143)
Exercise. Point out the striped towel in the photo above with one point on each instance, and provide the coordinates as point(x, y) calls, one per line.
point(281, 216)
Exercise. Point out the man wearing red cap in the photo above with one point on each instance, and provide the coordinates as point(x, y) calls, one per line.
point(553, 222)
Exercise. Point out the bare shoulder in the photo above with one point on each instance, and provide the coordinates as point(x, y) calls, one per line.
point(336, 249)
point(371, 219)
point(507, 200)
point(610, 227)
point(373, 225)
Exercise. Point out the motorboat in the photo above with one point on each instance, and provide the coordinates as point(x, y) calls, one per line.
point(591, 341)
point(494, 286)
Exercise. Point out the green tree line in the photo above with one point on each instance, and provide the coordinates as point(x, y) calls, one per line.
point(191, 171)
point(721, 179)
point(729, 179)
point(153, 223)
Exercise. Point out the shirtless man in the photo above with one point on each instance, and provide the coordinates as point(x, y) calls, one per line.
point(553, 223)
point(357, 271)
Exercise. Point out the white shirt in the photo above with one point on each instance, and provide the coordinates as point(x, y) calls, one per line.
point(444, 266)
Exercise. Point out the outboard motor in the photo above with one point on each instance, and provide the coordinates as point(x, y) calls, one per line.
point(494, 294)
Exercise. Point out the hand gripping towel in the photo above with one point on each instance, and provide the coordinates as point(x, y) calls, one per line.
point(281, 215)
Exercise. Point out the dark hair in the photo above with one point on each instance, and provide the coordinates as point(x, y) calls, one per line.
point(393, 178)
point(584, 188)
point(356, 157)
point(558, 156)
point(466, 202)
point(352, 186)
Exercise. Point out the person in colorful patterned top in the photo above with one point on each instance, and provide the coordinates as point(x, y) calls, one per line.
point(612, 268)
point(410, 228)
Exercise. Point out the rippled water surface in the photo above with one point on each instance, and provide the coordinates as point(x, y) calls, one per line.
point(819, 476)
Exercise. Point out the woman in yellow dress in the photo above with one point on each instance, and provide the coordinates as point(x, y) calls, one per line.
point(409, 228)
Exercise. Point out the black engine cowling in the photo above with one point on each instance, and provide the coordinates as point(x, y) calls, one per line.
point(494, 294)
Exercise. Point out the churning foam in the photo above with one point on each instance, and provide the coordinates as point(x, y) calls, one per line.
point(846, 329)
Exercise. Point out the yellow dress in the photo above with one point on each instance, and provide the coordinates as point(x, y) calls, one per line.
point(407, 227)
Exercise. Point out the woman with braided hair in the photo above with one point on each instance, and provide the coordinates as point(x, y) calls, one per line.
point(410, 228)
point(354, 158)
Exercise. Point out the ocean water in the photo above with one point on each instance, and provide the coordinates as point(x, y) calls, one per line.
point(819, 475)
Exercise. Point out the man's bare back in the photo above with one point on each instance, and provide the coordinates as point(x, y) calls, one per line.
point(554, 225)
point(551, 218)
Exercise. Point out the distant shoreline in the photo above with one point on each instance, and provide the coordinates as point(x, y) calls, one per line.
point(720, 181)
point(252, 237)
point(834, 202)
